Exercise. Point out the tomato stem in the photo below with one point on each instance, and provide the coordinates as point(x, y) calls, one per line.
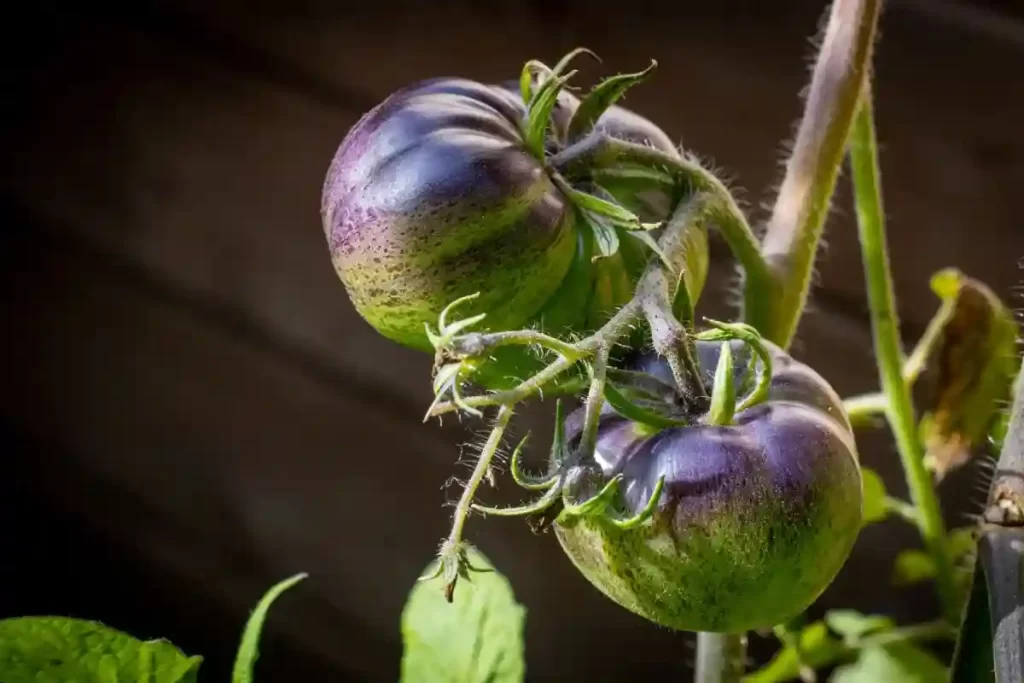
point(794, 230)
point(452, 551)
point(721, 657)
point(599, 152)
point(653, 299)
point(888, 351)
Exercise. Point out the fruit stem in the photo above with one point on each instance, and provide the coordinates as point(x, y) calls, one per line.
point(600, 151)
point(451, 551)
point(592, 407)
point(888, 352)
point(794, 230)
point(720, 657)
point(611, 332)
point(652, 299)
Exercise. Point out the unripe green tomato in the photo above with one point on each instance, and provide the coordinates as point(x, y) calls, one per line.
point(755, 520)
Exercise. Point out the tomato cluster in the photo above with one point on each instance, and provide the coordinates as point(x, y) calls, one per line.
point(447, 192)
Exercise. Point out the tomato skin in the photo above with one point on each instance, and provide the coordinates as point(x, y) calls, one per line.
point(432, 196)
point(755, 520)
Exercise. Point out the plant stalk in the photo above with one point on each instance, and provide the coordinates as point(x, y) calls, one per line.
point(794, 230)
point(720, 657)
point(888, 349)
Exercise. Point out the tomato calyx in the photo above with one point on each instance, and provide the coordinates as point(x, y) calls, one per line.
point(582, 365)
point(541, 88)
point(574, 484)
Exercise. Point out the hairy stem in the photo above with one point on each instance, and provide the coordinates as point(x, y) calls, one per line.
point(720, 657)
point(611, 332)
point(862, 410)
point(451, 551)
point(888, 350)
point(594, 403)
point(794, 230)
point(648, 299)
point(600, 151)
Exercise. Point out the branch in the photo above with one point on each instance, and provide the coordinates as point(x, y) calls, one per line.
point(798, 217)
point(888, 352)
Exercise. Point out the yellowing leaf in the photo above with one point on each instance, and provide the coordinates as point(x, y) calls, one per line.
point(975, 361)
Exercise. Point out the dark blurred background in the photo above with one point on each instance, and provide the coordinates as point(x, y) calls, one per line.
point(193, 410)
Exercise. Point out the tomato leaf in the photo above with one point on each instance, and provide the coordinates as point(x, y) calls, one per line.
point(628, 408)
point(58, 650)
point(901, 662)
point(816, 648)
point(912, 566)
point(852, 625)
point(875, 509)
point(976, 362)
point(600, 98)
point(248, 650)
point(478, 637)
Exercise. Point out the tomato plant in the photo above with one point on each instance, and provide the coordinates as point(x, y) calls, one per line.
point(708, 481)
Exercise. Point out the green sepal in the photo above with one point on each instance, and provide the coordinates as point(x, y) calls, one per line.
point(608, 208)
point(534, 68)
point(600, 98)
point(723, 395)
point(538, 118)
point(628, 403)
point(606, 236)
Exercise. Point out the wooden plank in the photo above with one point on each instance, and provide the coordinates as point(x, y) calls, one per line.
point(253, 468)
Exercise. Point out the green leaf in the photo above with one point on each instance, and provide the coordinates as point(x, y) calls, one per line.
point(913, 566)
point(852, 625)
point(478, 637)
point(894, 663)
point(248, 649)
point(976, 361)
point(817, 649)
point(628, 408)
point(61, 650)
point(875, 509)
point(600, 98)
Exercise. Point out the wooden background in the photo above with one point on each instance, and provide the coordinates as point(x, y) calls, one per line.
point(194, 411)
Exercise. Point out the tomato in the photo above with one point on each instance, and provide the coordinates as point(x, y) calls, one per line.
point(755, 519)
point(433, 196)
